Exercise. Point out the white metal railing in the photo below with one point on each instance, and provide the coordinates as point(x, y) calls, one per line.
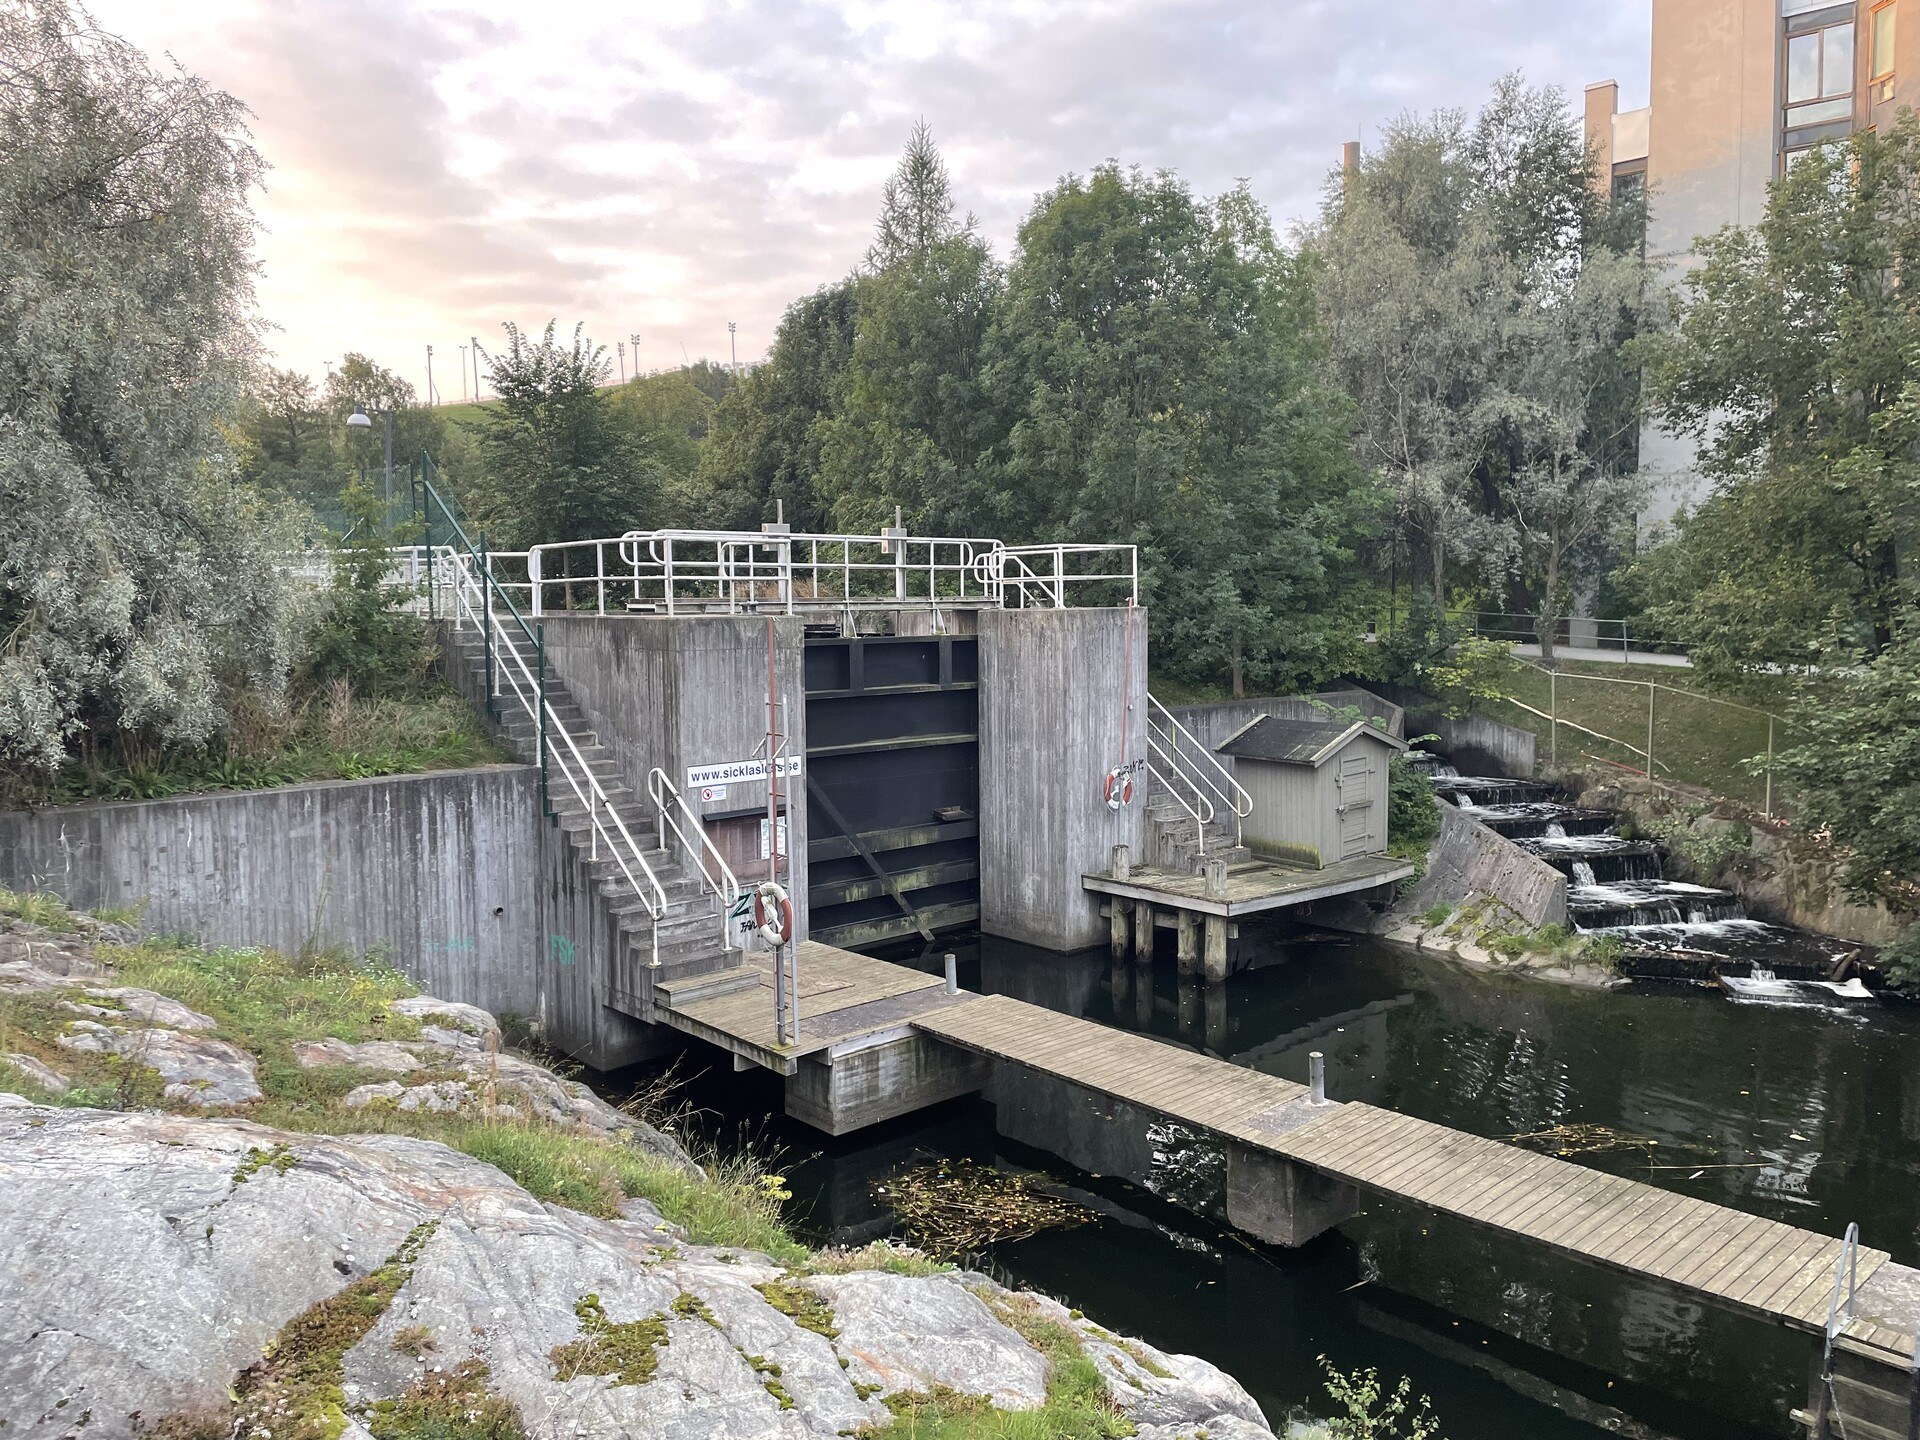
point(472, 604)
point(1041, 574)
point(672, 809)
point(674, 572)
point(1190, 764)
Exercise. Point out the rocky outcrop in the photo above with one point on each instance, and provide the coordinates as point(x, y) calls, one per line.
point(152, 1260)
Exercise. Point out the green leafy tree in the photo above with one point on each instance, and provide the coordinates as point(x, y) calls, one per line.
point(768, 433)
point(1791, 366)
point(1156, 370)
point(138, 579)
point(914, 425)
point(1479, 300)
point(1857, 775)
point(670, 416)
point(558, 464)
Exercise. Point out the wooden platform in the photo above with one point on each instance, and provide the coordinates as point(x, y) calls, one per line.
point(1252, 889)
point(1724, 1257)
point(843, 996)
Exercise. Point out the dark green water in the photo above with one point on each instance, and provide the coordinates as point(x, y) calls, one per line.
point(1807, 1116)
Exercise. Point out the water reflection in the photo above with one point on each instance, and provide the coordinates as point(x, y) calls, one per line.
point(1788, 1113)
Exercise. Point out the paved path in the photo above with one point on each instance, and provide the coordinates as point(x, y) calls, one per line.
point(1585, 654)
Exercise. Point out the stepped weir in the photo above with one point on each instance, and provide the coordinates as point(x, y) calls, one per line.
point(914, 735)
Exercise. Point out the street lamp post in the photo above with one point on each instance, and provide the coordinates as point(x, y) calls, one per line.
point(360, 421)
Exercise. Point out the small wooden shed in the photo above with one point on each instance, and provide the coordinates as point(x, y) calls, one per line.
point(1319, 787)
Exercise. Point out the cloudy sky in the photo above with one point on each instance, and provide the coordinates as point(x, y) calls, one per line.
point(661, 167)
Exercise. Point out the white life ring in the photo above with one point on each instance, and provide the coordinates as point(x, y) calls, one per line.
point(772, 912)
point(1119, 788)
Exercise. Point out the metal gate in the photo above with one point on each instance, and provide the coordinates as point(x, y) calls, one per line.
point(893, 786)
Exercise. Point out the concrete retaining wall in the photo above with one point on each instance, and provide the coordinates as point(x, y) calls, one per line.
point(1051, 717)
point(1469, 859)
point(1478, 745)
point(436, 869)
point(1212, 724)
point(690, 691)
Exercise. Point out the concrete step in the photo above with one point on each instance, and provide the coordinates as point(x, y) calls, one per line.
point(724, 982)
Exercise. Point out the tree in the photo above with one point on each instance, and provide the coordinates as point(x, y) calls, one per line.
point(1480, 299)
point(914, 424)
point(1792, 366)
point(765, 449)
point(669, 416)
point(1154, 365)
point(137, 578)
point(558, 464)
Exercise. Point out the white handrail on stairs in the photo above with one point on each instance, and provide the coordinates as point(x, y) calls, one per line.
point(1196, 764)
point(1199, 810)
point(661, 789)
point(562, 753)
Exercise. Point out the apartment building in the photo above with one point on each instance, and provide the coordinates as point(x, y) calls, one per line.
point(1738, 90)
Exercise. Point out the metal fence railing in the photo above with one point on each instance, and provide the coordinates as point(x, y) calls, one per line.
point(1571, 632)
point(1661, 731)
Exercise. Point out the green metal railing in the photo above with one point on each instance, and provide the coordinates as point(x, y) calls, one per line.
point(433, 506)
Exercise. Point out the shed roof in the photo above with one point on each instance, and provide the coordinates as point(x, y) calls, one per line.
point(1300, 742)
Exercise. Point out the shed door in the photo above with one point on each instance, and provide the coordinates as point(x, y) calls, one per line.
point(1353, 794)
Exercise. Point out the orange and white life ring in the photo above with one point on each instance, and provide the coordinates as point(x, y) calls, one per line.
point(1119, 789)
point(773, 913)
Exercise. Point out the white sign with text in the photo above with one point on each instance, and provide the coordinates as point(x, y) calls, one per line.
point(738, 772)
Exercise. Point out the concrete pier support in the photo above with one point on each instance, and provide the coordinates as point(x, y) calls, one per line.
point(1142, 932)
point(843, 1090)
point(1281, 1202)
point(1189, 943)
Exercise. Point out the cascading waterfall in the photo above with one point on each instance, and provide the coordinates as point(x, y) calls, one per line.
point(1618, 886)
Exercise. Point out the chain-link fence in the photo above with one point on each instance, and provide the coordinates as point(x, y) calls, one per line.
point(1654, 729)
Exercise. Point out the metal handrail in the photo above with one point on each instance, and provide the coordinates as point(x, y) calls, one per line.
point(1846, 1269)
point(474, 595)
point(660, 788)
point(1198, 765)
point(1200, 811)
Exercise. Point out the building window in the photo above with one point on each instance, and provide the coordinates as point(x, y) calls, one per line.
point(1820, 75)
point(1880, 61)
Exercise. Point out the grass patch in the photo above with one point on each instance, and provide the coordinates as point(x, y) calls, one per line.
point(886, 1255)
point(628, 1350)
point(327, 736)
point(1077, 1407)
point(1695, 741)
point(801, 1305)
point(38, 907)
point(293, 1392)
point(1435, 915)
point(456, 1404)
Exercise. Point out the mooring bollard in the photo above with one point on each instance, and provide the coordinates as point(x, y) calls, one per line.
point(953, 974)
point(1316, 1078)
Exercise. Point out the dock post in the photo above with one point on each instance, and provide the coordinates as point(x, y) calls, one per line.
point(1189, 946)
point(1316, 1078)
point(1122, 862)
point(1216, 959)
point(1143, 932)
point(1117, 928)
point(953, 973)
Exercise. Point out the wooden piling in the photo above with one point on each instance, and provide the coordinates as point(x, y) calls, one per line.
point(1216, 957)
point(1142, 932)
point(1117, 928)
point(1189, 942)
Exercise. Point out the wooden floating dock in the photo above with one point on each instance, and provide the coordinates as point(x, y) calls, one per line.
point(1717, 1255)
point(1723, 1257)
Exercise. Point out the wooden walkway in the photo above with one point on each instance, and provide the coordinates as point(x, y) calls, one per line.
point(843, 996)
point(1723, 1257)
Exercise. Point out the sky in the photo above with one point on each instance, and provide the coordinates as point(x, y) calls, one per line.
point(662, 169)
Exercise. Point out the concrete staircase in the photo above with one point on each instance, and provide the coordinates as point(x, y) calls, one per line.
point(1172, 844)
point(688, 931)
